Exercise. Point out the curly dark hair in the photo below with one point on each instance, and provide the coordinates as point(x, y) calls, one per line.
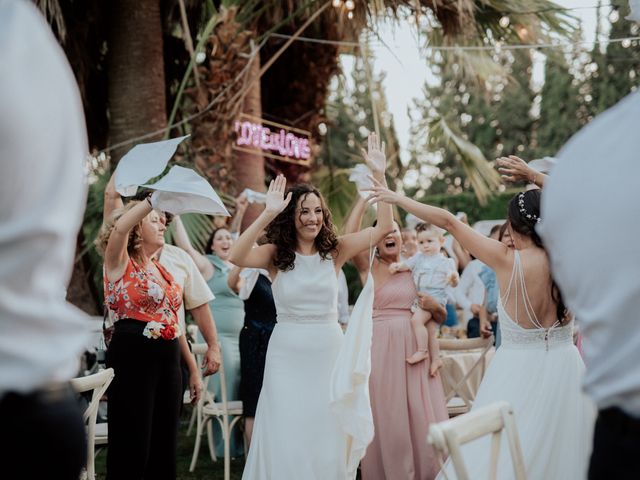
point(524, 222)
point(282, 230)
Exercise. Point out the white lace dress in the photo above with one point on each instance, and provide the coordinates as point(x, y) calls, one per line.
point(539, 372)
point(295, 435)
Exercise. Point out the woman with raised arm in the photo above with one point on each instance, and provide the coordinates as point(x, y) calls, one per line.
point(405, 399)
point(295, 435)
point(146, 393)
point(537, 369)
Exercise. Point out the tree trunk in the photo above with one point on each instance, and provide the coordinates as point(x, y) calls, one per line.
point(81, 289)
point(137, 103)
point(249, 167)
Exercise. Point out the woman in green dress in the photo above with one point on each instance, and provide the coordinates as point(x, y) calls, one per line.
point(228, 313)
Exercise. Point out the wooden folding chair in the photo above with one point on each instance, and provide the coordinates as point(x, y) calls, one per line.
point(98, 382)
point(447, 437)
point(227, 413)
point(460, 394)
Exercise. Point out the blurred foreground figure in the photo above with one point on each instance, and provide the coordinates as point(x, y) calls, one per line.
point(594, 188)
point(42, 196)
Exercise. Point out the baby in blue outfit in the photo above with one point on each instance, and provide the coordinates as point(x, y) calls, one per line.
point(432, 272)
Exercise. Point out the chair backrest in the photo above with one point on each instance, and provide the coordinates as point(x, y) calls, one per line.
point(448, 437)
point(461, 387)
point(98, 382)
point(199, 350)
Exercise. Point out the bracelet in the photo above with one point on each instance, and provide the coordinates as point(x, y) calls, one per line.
point(148, 199)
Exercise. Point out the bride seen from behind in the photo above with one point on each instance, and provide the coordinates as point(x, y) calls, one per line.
point(537, 369)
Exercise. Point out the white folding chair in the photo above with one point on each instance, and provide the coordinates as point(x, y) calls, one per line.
point(227, 413)
point(447, 437)
point(98, 382)
point(459, 395)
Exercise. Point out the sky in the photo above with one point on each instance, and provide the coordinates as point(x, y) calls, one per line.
point(400, 56)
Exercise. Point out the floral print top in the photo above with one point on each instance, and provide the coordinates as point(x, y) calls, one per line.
point(139, 295)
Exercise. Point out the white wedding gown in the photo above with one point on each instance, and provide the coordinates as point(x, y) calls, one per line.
point(539, 373)
point(295, 435)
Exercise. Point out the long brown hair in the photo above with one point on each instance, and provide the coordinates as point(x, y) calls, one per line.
point(282, 230)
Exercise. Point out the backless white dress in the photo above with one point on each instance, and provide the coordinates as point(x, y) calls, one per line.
point(539, 372)
point(295, 435)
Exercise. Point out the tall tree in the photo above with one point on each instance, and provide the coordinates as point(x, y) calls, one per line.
point(561, 107)
point(458, 118)
point(616, 66)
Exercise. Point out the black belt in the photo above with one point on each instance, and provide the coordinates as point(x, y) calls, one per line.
point(619, 421)
point(48, 394)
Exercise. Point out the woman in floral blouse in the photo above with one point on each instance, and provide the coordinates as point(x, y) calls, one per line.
point(146, 393)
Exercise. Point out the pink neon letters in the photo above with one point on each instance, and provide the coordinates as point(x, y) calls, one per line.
point(283, 143)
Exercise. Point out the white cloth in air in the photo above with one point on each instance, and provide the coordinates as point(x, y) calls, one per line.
point(350, 401)
point(142, 163)
point(182, 190)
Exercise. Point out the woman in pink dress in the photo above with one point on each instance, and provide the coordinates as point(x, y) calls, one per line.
point(405, 400)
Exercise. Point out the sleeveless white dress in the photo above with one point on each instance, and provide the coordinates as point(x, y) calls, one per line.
point(295, 435)
point(539, 372)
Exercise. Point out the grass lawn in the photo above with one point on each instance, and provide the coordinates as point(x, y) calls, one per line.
point(205, 468)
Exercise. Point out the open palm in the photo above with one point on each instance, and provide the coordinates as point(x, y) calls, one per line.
point(276, 202)
point(374, 155)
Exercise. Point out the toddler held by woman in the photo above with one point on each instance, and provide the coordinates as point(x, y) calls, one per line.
point(432, 272)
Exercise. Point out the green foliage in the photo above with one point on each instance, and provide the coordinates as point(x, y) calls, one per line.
point(617, 68)
point(560, 108)
point(468, 122)
point(350, 119)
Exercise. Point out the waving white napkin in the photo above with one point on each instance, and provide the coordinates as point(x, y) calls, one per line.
point(142, 163)
point(184, 191)
point(255, 197)
point(349, 389)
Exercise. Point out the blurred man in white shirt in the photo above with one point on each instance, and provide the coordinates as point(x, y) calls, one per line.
point(43, 145)
point(591, 194)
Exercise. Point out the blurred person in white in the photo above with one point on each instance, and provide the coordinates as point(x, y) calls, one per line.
point(43, 145)
point(470, 291)
point(594, 188)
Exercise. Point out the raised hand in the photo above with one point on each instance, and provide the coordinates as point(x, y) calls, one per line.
point(514, 169)
point(375, 156)
point(241, 203)
point(380, 193)
point(275, 200)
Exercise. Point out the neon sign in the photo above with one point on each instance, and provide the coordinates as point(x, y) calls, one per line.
point(282, 142)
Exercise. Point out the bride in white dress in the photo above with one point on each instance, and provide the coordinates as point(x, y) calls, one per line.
point(537, 369)
point(295, 434)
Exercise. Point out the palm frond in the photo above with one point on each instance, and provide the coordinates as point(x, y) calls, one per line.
point(199, 228)
point(483, 178)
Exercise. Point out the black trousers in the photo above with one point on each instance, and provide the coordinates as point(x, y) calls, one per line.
point(144, 402)
point(44, 435)
point(616, 447)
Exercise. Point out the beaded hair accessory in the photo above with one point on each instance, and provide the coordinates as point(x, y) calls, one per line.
point(523, 210)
